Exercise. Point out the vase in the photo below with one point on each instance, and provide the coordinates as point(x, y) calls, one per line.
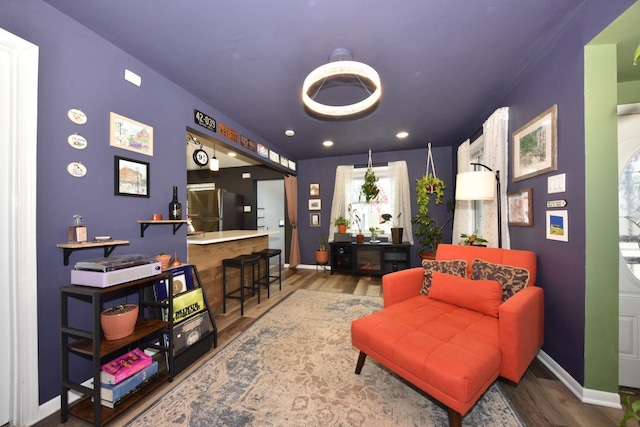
point(164, 260)
point(396, 235)
point(119, 324)
point(359, 238)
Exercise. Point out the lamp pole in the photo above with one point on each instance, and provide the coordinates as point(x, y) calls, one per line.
point(497, 202)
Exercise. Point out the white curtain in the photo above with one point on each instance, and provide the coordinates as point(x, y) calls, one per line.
point(463, 214)
point(401, 197)
point(344, 176)
point(496, 140)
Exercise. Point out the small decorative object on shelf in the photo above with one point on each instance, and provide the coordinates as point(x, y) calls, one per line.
point(164, 259)
point(77, 231)
point(119, 321)
point(175, 207)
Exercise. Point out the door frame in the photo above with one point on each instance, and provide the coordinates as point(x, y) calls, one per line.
point(20, 126)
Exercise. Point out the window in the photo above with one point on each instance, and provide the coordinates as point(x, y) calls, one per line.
point(370, 215)
point(476, 155)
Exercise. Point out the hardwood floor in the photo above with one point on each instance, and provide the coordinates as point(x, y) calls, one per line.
point(540, 398)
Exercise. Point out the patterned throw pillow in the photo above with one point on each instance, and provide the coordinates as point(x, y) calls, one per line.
point(456, 267)
point(511, 278)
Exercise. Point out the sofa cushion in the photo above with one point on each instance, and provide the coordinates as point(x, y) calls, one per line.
point(454, 267)
point(483, 296)
point(511, 278)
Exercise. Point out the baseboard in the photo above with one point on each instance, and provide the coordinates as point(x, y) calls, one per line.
point(310, 267)
point(593, 397)
point(51, 407)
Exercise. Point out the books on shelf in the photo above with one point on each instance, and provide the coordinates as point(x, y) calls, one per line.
point(187, 304)
point(182, 281)
point(124, 366)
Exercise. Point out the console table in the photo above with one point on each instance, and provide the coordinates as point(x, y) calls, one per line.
point(369, 258)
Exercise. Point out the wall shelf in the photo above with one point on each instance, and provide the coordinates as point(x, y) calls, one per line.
point(108, 246)
point(177, 223)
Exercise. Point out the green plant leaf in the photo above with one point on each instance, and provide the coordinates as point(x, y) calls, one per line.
point(637, 55)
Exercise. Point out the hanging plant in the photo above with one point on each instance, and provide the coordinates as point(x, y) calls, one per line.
point(369, 188)
point(426, 186)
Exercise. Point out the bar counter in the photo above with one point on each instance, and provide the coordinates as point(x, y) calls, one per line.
point(206, 251)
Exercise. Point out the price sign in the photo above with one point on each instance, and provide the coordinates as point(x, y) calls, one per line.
point(228, 133)
point(203, 120)
point(248, 143)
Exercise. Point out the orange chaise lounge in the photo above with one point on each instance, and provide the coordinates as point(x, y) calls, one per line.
point(454, 342)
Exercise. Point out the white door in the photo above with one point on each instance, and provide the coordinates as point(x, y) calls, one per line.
point(271, 211)
point(629, 229)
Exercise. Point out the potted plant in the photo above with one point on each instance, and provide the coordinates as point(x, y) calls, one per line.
point(428, 232)
point(473, 240)
point(355, 216)
point(396, 232)
point(369, 188)
point(342, 223)
point(119, 321)
point(322, 254)
point(164, 260)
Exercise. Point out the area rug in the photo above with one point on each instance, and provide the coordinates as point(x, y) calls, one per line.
point(295, 367)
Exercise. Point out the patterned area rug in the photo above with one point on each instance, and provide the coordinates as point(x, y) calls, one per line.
point(295, 367)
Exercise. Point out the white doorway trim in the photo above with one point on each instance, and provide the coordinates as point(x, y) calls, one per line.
point(18, 126)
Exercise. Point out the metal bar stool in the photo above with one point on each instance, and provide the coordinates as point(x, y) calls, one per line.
point(268, 279)
point(240, 262)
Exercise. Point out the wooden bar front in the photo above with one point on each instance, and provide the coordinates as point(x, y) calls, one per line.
point(207, 254)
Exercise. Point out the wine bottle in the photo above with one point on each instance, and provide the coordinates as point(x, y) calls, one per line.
point(175, 208)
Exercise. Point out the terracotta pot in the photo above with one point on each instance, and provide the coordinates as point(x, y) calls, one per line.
point(359, 238)
point(342, 229)
point(396, 235)
point(322, 257)
point(164, 260)
point(119, 325)
point(428, 255)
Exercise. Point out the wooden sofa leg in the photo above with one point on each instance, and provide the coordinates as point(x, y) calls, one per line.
point(360, 363)
point(455, 419)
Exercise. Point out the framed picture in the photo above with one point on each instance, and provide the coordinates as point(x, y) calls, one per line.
point(535, 146)
point(131, 177)
point(558, 226)
point(520, 207)
point(315, 204)
point(314, 220)
point(130, 135)
point(314, 189)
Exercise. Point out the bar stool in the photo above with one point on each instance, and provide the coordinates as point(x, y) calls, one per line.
point(268, 279)
point(240, 262)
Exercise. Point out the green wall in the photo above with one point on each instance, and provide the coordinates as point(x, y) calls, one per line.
point(629, 92)
point(601, 169)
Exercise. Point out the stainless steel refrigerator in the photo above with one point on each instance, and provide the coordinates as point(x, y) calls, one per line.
point(213, 209)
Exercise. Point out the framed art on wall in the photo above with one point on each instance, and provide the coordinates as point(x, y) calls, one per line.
point(314, 220)
point(130, 135)
point(558, 226)
point(520, 207)
point(314, 189)
point(315, 204)
point(131, 177)
point(535, 146)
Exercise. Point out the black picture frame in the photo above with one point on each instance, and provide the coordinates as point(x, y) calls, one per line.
point(131, 177)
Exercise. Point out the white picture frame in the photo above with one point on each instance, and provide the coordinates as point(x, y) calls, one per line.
point(557, 227)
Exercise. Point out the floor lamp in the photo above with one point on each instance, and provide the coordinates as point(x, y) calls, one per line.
point(481, 185)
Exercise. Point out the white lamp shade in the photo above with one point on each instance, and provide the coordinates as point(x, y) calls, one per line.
point(477, 185)
point(214, 164)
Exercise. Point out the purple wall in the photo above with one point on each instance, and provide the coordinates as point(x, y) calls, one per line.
point(78, 69)
point(323, 171)
point(558, 78)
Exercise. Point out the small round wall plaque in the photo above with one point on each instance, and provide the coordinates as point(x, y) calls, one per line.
point(77, 116)
point(77, 141)
point(200, 157)
point(76, 169)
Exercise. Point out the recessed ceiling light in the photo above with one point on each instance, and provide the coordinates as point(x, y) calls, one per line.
point(231, 154)
point(327, 143)
point(402, 135)
point(289, 132)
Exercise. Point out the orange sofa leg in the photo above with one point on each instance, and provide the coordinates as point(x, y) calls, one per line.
point(455, 419)
point(360, 363)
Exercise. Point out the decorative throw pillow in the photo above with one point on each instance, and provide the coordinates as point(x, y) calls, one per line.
point(483, 296)
point(511, 278)
point(456, 267)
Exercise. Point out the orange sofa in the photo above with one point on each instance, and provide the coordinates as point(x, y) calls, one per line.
point(454, 342)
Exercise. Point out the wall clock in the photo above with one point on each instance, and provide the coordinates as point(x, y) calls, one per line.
point(200, 157)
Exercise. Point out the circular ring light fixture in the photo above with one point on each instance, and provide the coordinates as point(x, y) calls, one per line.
point(341, 68)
